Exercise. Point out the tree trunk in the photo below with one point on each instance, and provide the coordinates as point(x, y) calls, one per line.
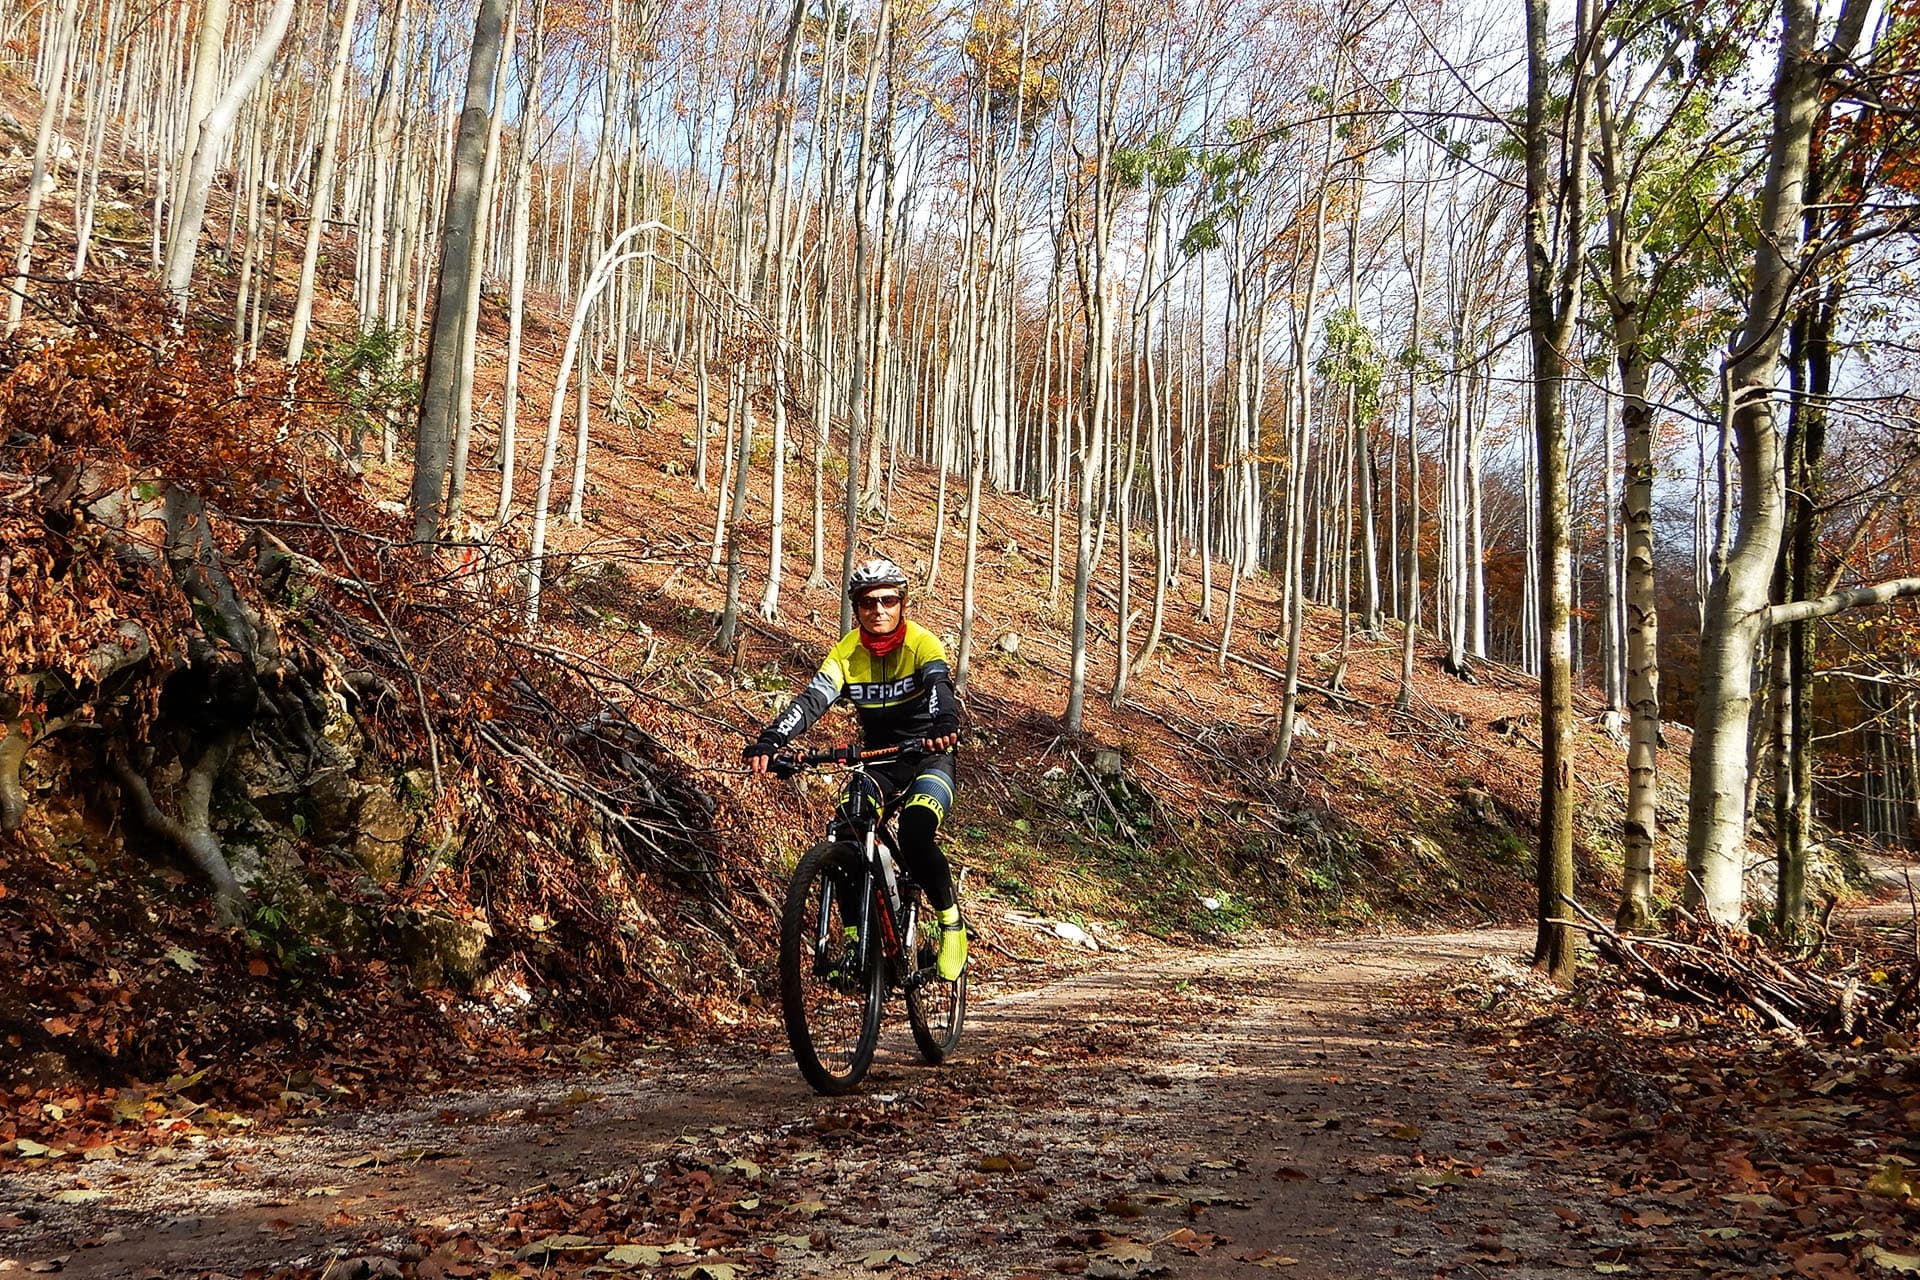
point(459, 227)
point(206, 154)
point(37, 184)
point(320, 192)
point(1555, 191)
point(1736, 605)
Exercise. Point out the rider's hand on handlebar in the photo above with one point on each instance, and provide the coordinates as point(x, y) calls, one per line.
point(758, 754)
point(943, 733)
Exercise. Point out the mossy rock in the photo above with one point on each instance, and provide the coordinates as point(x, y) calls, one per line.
point(443, 951)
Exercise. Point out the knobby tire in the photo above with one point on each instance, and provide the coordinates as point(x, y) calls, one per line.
point(832, 1013)
point(936, 1010)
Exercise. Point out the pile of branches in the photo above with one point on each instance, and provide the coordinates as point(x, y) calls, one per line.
point(169, 526)
point(1810, 993)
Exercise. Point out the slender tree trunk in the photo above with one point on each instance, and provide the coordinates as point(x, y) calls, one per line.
point(1555, 191)
point(1736, 606)
point(1643, 646)
point(519, 236)
point(63, 41)
point(320, 194)
point(459, 227)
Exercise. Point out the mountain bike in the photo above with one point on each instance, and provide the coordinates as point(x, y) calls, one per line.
point(854, 928)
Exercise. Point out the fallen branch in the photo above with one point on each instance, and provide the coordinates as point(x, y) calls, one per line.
point(1719, 966)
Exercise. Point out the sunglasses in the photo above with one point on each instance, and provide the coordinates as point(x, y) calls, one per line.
point(878, 602)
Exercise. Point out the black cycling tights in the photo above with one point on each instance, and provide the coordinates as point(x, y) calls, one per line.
point(922, 858)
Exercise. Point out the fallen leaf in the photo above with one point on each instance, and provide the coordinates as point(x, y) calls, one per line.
point(710, 1271)
point(183, 959)
point(881, 1259)
point(1123, 1251)
point(1758, 1201)
point(1891, 1181)
point(545, 1247)
point(1908, 1262)
point(633, 1255)
point(79, 1195)
point(791, 1242)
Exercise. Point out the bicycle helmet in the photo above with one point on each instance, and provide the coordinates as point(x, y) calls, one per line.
point(877, 572)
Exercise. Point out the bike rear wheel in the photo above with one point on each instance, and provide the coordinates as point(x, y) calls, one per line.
point(936, 1009)
point(830, 987)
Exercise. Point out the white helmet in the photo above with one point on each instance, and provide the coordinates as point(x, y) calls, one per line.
point(877, 572)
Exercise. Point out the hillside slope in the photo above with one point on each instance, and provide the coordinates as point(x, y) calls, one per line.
point(1163, 816)
point(1422, 816)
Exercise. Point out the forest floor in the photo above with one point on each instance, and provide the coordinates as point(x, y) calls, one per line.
point(1413, 1104)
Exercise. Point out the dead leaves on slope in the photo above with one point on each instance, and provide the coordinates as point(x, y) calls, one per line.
point(1726, 1151)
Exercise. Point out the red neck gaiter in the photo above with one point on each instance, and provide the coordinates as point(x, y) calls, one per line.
point(881, 646)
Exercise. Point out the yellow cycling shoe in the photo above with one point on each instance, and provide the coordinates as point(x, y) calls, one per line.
point(953, 945)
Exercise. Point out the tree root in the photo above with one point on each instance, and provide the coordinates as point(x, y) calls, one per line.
point(129, 648)
point(13, 800)
point(193, 834)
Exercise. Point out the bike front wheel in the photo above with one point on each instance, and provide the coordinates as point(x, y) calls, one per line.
point(831, 987)
point(936, 1009)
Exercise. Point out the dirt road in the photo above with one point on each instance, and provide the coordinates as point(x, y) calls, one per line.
point(1229, 1113)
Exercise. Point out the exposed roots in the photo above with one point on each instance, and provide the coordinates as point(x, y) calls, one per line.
point(129, 648)
point(193, 834)
point(13, 800)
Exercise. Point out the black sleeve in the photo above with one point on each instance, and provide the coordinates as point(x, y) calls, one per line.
point(943, 705)
point(803, 710)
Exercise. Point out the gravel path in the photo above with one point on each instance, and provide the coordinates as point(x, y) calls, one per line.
point(1222, 1113)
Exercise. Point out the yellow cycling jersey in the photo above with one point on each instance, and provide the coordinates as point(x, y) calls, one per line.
point(901, 695)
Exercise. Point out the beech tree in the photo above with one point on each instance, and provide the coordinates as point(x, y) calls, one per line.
point(456, 279)
point(1735, 613)
point(1556, 149)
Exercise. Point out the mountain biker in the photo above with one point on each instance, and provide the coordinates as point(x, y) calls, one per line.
point(895, 674)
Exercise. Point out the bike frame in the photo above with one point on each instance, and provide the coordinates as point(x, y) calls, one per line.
point(883, 901)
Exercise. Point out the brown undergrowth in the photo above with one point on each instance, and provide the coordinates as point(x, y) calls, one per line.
point(601, 880)
point(567, 791)
point(1730, 1147)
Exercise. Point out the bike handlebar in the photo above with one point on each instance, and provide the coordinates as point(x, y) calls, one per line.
point(788, 763)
